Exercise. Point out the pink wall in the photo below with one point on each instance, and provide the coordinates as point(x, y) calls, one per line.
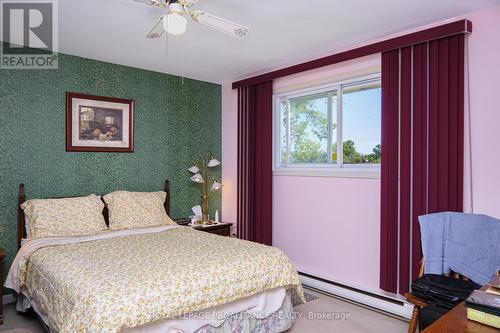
point(330, 226)
point(360, 66)
point(484, 55)
point(229, 153)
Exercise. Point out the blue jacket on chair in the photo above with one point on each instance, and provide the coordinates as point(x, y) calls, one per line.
point(468, 244)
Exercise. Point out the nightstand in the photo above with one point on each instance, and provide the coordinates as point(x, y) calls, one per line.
point(2, 255)
point(222, 229)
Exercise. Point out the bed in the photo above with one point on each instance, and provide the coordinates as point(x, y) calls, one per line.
point(158, 279)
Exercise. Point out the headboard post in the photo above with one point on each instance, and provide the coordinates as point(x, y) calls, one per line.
point(21, 230)
point(167, 199)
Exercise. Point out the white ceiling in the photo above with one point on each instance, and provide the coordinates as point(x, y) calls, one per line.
point(282, 32)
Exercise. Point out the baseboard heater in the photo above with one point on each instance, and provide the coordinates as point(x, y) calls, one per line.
point(378, 302)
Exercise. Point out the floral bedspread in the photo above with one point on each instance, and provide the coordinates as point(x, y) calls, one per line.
point(106, 284)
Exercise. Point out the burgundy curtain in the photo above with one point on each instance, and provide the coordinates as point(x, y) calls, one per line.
point(255, 147)
point(422, 148)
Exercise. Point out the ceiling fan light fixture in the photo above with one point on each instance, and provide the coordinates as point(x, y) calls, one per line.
point(174, 22)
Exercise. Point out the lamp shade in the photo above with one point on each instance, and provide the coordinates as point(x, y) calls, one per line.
point(216, 185)
point(213, 162)
point(174, 22)
point(194, 169)
point(197, 178)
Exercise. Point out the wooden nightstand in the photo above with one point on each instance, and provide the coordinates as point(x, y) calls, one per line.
point(222, 229)
point(2, 255)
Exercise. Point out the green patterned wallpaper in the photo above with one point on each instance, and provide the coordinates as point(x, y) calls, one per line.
point(175, 122)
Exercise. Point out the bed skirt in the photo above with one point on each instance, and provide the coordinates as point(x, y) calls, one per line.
point(278, 321)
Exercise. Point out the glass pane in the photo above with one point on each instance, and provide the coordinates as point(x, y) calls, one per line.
point(309, 129)
point(283, 133)
point(361, 126)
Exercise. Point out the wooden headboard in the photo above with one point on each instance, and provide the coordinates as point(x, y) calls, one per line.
point(21, 228)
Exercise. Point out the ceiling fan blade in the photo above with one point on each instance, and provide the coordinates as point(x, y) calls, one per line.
point(158, 29)
point(218, 23)
point(157, 3)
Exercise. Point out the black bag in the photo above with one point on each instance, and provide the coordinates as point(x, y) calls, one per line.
point(442, 290)
point(430, 314)
point(442, 293)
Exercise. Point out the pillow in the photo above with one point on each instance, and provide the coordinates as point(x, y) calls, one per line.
point(27, 226)
point(65, 217)
point(129, 210)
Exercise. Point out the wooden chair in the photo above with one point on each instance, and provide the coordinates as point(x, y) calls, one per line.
point(419, 303)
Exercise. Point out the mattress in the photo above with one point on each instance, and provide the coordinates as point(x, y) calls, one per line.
point(124, 279)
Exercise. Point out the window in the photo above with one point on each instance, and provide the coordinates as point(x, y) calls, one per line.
point(310, 124)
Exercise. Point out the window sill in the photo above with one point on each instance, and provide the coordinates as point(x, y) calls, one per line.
point(363, 173)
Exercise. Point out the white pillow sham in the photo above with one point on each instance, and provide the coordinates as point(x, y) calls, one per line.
point(128, 210)
point(64, 217)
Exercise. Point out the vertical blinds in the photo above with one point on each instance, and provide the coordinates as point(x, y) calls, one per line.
point(422, 148)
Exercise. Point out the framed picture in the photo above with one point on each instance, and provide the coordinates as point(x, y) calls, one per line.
point(99, 124)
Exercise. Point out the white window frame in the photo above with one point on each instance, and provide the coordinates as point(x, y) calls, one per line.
point(321, 169)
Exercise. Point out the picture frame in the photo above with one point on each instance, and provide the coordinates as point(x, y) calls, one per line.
point(99, 124)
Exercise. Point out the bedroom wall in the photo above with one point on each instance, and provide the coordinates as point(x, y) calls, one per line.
point(302, 226)
point(229, 158)
point(175, 122)
point(329, 226)
point(484, 52)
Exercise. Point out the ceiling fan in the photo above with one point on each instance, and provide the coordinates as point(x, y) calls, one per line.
point(175, 23)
